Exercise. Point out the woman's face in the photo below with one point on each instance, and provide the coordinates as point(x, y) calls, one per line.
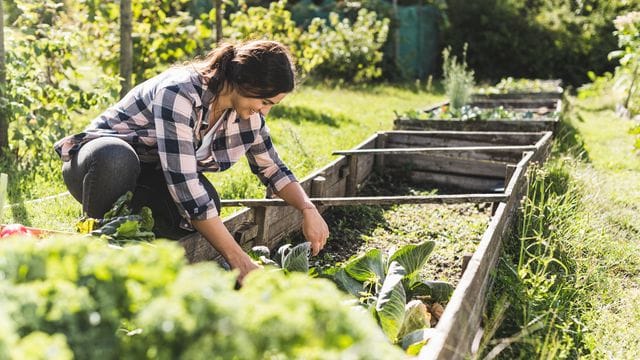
point(247, 106)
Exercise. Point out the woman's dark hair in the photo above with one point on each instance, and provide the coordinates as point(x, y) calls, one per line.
point(257, 69)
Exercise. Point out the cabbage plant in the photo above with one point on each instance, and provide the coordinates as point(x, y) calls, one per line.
point(384, 284)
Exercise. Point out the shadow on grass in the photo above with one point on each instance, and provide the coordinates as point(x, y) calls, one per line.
point(297, 114)
point(569, 141)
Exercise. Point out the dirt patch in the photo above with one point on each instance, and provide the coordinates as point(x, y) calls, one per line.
point(456, 229)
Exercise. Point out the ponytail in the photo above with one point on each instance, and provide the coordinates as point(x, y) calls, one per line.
point(216, 66)
point(257, 69)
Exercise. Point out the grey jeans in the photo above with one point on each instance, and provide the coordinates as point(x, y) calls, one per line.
point(107, 167)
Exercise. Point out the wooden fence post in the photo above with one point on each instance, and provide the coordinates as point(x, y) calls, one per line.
point(262, 220)
point(352, 178)
point(126, 46)
point(381, 143)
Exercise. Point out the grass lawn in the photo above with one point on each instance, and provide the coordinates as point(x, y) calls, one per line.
point(310, 124)
point(567, 286)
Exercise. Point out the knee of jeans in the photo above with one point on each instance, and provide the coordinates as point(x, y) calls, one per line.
point(115, 156)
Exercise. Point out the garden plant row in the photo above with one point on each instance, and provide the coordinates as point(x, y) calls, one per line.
point(535, 111)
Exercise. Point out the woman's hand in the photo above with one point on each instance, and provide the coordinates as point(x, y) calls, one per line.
point(315, 229)
point(244, 264)
point(217, 234)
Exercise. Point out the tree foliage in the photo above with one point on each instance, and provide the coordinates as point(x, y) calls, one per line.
point(535, 38)
point(43, 93)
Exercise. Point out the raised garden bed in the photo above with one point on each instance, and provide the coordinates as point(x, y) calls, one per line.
point(468, 170)
point(500, 112)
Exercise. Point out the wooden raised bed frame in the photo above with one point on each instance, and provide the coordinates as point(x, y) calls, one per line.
point(550, 101)
point(489, 166)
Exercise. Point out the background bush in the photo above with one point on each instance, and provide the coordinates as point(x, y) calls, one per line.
point(535, 38)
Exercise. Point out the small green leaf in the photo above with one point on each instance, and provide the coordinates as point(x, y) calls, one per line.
point(347, 283)
point(416, 317)
point(147, 222)
point(282, 253)
point(413, 342)
point(128, 228)
point(367, 267)
point(257, 251)
point(413, 257)
point(439, 291)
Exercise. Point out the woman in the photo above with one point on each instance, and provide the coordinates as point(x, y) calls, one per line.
point(160, 138)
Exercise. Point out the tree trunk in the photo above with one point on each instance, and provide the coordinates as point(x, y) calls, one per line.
point(218, 4)
point(126, 46)
point(4, 118)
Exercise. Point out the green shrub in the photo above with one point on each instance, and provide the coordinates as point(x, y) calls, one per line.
point(43, 95)
point(535, 39)
point(628, 72)
point(354, 55)
point(354, 48)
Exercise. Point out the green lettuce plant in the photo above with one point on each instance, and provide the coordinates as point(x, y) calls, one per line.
point(82, 299)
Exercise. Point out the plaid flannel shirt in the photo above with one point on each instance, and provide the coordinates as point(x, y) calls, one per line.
point(162, 119)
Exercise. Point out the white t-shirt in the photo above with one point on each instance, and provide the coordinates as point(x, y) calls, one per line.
point(204, 150)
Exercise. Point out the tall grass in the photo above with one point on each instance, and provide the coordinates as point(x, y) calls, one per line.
point(566, 286)
point(536, 285)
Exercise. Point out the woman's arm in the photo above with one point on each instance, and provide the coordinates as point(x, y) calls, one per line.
point(219, 237)
point(314, 227)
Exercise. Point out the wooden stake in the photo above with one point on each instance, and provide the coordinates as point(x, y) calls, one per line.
point(352, 178)
point(4, 179)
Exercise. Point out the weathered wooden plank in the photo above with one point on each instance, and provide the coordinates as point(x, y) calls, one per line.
point(476, 125)
point(512, 155)
point(446, 164)
point(450, 138)
point(460, 322)
point(515, 103)
point(435, 150)
point(455, 181)
point(376, 200)
point(365, 168)
point(520, 95)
